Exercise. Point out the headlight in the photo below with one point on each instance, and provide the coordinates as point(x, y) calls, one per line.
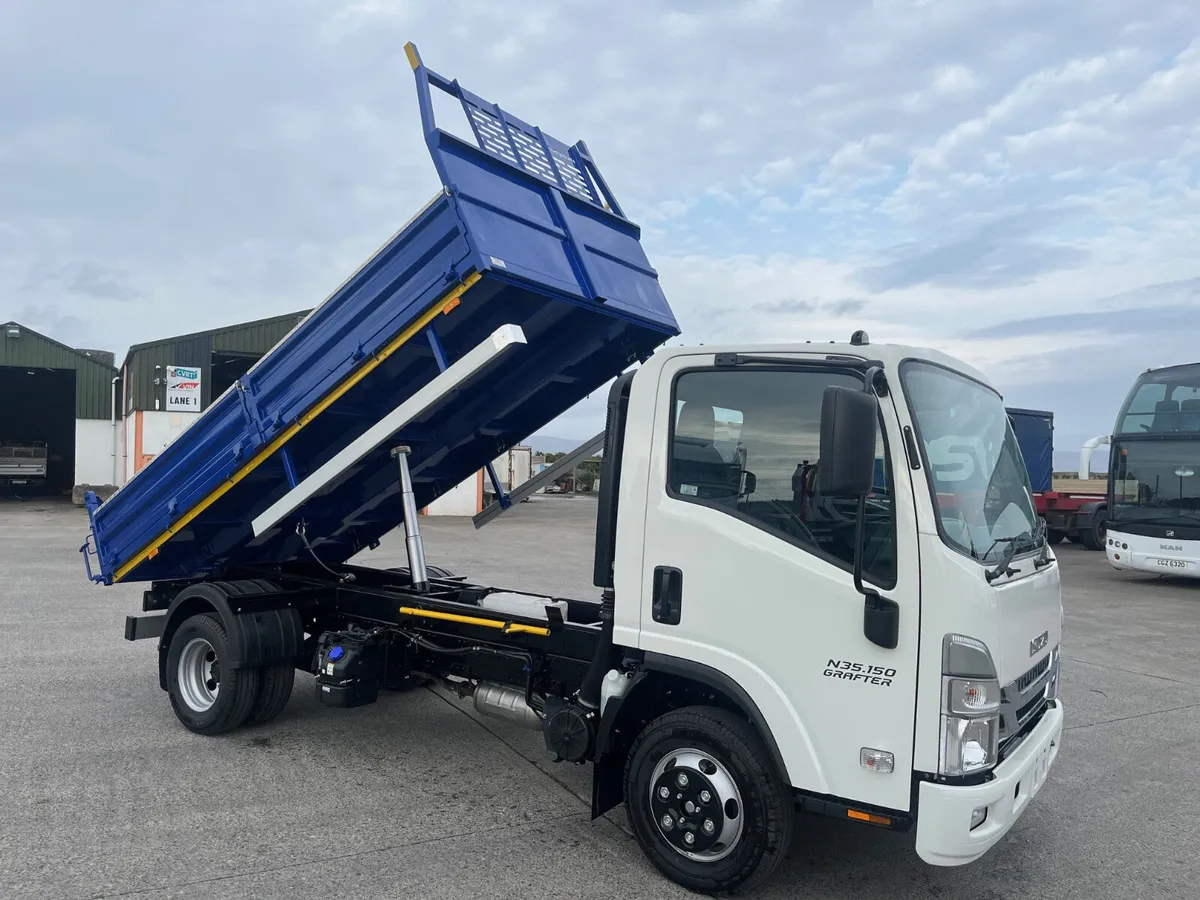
point(971, 697)
point(968, 745)
point(970, 704)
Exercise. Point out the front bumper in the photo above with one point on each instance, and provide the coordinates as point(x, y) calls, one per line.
point(944, 835)
point(1158, 563)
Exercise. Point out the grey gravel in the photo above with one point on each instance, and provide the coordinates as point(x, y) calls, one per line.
point(106, 795)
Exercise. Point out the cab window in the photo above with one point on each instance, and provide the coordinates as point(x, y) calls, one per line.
point(746, 443)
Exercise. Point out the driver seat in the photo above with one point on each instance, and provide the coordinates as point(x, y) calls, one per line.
point(695, 459)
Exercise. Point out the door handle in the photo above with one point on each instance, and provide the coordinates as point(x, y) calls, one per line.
point(667, 598)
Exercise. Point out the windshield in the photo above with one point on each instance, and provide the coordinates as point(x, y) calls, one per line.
point(1156, 480)
point(1163, 401)
point(980, 487)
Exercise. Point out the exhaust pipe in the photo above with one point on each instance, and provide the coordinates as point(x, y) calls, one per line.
point(507, 703)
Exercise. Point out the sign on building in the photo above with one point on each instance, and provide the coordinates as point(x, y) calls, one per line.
point(183, 388)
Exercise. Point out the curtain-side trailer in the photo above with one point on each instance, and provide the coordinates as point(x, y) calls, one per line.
point(761, 646)
point(1074, 515)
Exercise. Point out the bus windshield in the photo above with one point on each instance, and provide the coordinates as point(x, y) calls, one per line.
point(1156, 480)
point(980, 486)
point(1163, 401)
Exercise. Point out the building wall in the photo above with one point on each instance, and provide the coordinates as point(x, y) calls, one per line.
point(94, 452)
point(145, 365)
point(464, 499)
point(149, 361)
point(512, 469)
point(128, 456)
point(154, 431)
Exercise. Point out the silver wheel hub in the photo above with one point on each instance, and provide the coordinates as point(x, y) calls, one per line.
point(199, 675)
point(696, 805)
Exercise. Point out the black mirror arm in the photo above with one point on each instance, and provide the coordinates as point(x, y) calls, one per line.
point(881, 615)
point(860, 522)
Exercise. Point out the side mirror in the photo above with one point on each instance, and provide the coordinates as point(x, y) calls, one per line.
point(849, 430)
point(749, 482)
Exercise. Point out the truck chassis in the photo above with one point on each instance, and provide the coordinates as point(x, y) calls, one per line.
point(673, 741)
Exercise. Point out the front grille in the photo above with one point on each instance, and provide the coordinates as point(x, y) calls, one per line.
point(1023, 701)
point(1028, 709)
point(1023, 683)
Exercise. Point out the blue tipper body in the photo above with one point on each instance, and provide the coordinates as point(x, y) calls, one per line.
point(1034, 430)
point(525, 232)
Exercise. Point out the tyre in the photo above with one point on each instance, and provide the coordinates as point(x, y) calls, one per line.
point(208, 696)
point(705, 801)
point(1093, 538)
point(274, 690)
point(275, 683)
point(1054, 536)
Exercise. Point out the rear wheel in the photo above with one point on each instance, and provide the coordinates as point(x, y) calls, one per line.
point(1093, 538)
point(705, 802)
point(275, 682)
point(274, 691)
point(207, 694)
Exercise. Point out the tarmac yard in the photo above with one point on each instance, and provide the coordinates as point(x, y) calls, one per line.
point(106, 795)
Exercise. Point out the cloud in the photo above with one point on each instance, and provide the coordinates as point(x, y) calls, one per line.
point(924, 169)
point(1005, 252)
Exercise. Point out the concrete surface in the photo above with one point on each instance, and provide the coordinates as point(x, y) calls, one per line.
point(106, 795)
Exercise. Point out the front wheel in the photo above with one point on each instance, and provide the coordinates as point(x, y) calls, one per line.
point(705, 802)
point(1054, 536)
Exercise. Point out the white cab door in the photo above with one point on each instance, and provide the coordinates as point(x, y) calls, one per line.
point(745, 571)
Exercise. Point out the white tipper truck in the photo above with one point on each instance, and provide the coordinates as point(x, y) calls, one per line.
point(825, 589)
point(822, 585)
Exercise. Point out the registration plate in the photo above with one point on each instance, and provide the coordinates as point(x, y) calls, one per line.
point(1172, 563)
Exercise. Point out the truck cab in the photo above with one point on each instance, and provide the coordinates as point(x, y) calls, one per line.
point(899, 646)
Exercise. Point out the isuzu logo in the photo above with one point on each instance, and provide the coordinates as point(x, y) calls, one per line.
point(1038, 643)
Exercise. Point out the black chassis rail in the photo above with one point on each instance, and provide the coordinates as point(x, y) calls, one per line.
point(547, 656)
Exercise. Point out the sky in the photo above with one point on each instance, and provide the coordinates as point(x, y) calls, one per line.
point(1014, 182)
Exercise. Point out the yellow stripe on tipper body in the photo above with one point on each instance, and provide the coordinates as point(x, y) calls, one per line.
point(445, 303)
point(500, 624)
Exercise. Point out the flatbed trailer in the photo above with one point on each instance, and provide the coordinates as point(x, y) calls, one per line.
point(741, 609)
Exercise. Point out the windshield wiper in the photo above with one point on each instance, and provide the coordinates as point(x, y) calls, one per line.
point(1014, 544)
point(1043, 541)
